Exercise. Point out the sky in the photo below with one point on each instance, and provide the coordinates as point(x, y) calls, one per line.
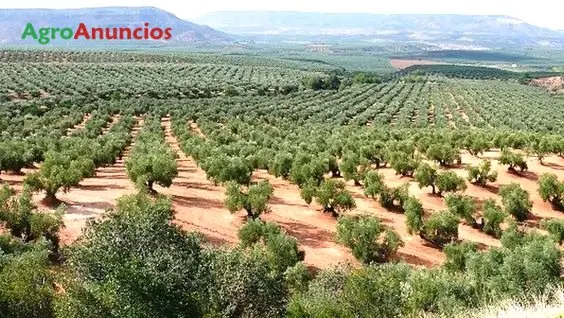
point(544, 13)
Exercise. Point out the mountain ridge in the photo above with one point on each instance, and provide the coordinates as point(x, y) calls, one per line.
point(480, 29)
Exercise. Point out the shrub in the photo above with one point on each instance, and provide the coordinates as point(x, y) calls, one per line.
point(369, 240)
point(457, 254)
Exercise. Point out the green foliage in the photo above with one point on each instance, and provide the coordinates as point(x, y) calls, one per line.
point(353, 167)
point(551, 190)
point(241, 283)
point(254, 199)
point(60, 170)
point(480, 175)
point(403, 163)
point(15, 154)
point(21, 217)
point(135, 263)
point(449, 181)
point(373, 184)
point(281, 249)
point(26, 283)
point(426, 176)
point(555, 227)
point(394, 198)
point(442, 153)
point(462, 206)
point(413, 210)
point(368, 239)
point(297, 277)
point(152, 160)
point(333, 196)
point(282, 165)
point(493, 216)
point(513, 160)
point(441, 228)
point(457, 255)
point(364, 292)
point(516, 201)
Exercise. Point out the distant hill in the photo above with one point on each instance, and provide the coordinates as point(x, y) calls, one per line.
point(13, 21)
point(461, 30)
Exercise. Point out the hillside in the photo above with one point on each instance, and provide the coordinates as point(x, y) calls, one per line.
point(463, 30)
point(12, 22)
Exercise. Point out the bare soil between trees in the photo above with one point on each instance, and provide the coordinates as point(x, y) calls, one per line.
point(400, 64)
point(198, 205)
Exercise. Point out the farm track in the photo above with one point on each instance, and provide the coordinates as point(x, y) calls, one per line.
point(94, 196)
point(80, 126)
point(197, 202)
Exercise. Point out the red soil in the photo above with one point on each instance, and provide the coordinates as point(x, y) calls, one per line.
point(400, 64)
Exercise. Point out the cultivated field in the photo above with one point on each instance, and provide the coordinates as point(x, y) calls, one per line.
point(428, 162)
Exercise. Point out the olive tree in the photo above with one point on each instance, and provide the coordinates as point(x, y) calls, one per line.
point(59, 171)
point(516, 201)
point(555, 227)
point(513, 160)
point(462, 206)
point(552, 190)
point(426, 176)
point(492, 218)
point(373, 184)
point(403, 163)
point(253, 199)
point(369, 240)
point(443, 153)
point(152, 163)
point(480, 175)
point(449, 181)
point(333, 196)
point(440, 228)
point(353, 167)
point(413, 210)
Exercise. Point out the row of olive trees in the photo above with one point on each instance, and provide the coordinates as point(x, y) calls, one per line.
point(151, 161)
point(72, 159)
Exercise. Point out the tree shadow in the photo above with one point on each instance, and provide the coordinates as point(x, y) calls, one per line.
point(308, 235)
point(554, 165)
point(415, 260)
point(197, 202)
point(99, 187)
point(529, 175)
point(275, 200)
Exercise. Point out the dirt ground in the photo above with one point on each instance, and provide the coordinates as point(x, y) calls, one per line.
point(553, 84)
point(400, 64)
point(198, 205)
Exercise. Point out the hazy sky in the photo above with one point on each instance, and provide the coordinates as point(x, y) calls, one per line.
point(546, 13)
